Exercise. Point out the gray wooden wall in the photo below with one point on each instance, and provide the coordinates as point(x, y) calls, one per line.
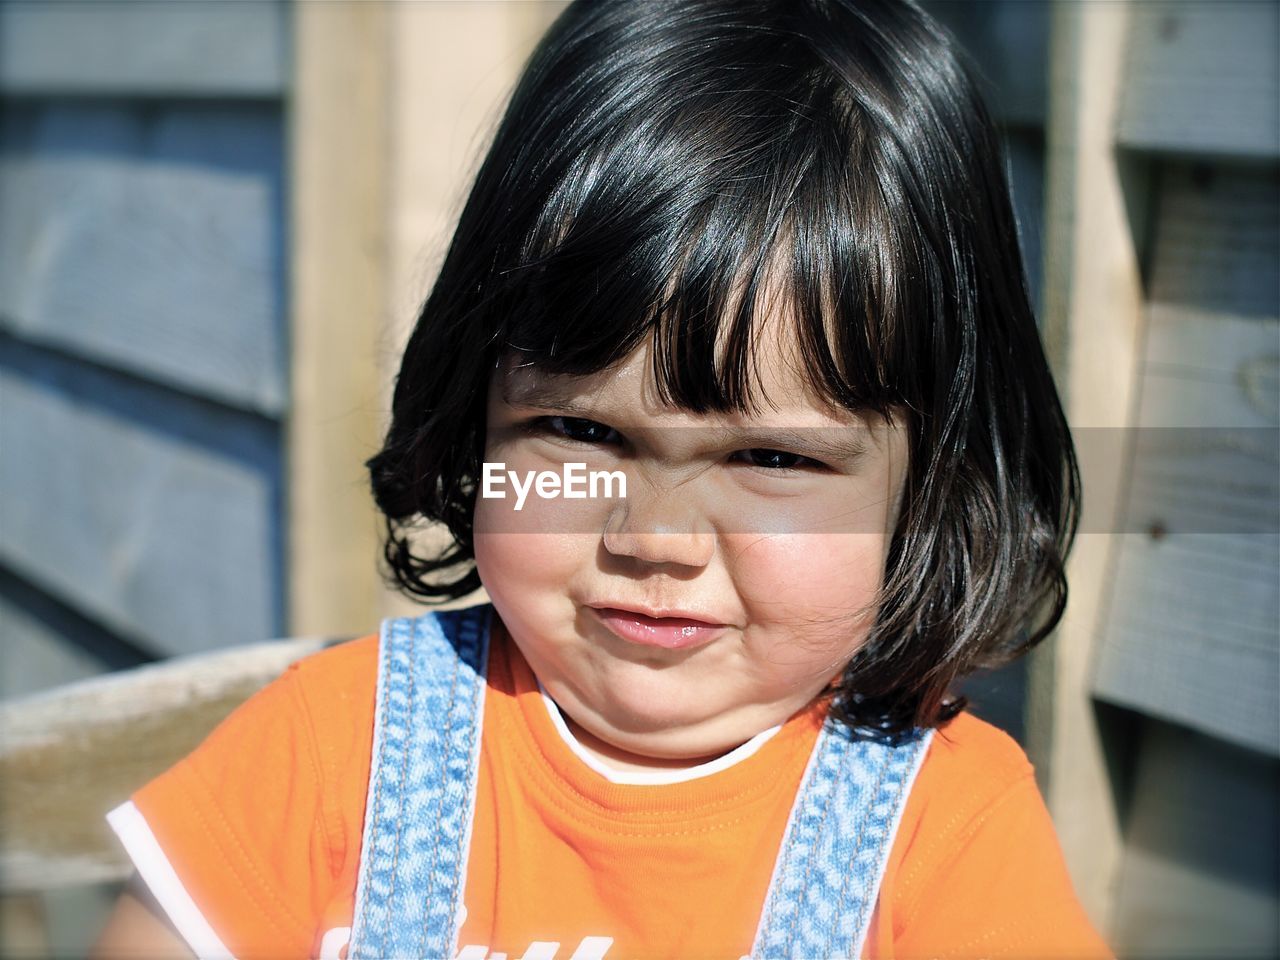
point(143, 342)
point(1189, 644)
point(1186, 676)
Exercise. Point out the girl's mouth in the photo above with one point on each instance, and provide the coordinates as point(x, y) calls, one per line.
point(672, 633)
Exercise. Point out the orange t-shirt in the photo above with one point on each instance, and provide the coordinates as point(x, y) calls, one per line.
point(261, 829)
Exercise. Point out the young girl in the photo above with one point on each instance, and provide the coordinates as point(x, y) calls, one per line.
point(750, 265)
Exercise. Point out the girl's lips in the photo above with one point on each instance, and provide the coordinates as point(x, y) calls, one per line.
point(672, 633)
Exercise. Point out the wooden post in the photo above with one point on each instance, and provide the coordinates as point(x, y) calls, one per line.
point(1093, 307)
point(338, 162)
point(392, 108)
point(453, 66)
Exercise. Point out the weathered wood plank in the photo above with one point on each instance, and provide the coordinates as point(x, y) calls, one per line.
point(1217, 239)
point(1204, 481)
point(47, 644)
point(1192, 634)
point(1181, 398)
point(1214, 347)
point(1200, 871)
point(1206, 452)
point(69, 755)
point(1203, 77)
point(154, 513)
point(149, 239)
point(35, 657)
point(1193, 630)
point(144, 47)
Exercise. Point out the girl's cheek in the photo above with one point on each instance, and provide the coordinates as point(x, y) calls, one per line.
point(808, 576)
point(529, 547)
point(541, 540)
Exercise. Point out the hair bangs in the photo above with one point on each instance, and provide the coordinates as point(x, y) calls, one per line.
point(666, 236)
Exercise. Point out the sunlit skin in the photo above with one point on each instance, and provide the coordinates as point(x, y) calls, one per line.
point(789, 560)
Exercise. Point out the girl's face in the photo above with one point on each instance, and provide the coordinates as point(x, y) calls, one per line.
point(771, 529)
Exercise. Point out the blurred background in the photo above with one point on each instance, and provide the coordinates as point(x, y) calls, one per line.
point(218, 217)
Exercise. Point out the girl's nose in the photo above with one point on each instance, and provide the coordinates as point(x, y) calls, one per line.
point(661, 531)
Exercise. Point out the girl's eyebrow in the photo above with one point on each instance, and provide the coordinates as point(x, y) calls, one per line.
point(829, 444)
point(541, 394)
point(818, 443)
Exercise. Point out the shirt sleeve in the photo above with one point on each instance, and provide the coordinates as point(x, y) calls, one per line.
point(232, 840)
point(1001, 889)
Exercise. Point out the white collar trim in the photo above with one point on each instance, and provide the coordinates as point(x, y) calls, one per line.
point(652, 777)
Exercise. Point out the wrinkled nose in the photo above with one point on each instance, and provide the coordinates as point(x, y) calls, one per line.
point(661, 529)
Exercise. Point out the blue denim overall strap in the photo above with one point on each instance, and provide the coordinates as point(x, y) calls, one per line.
point(422, 785)
point(422, 798)
point(836, 846)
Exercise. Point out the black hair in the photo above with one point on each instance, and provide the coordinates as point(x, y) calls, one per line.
point(657, 159)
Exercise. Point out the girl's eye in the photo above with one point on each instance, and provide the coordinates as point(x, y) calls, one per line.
point(581, 430)
point(774, 459)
